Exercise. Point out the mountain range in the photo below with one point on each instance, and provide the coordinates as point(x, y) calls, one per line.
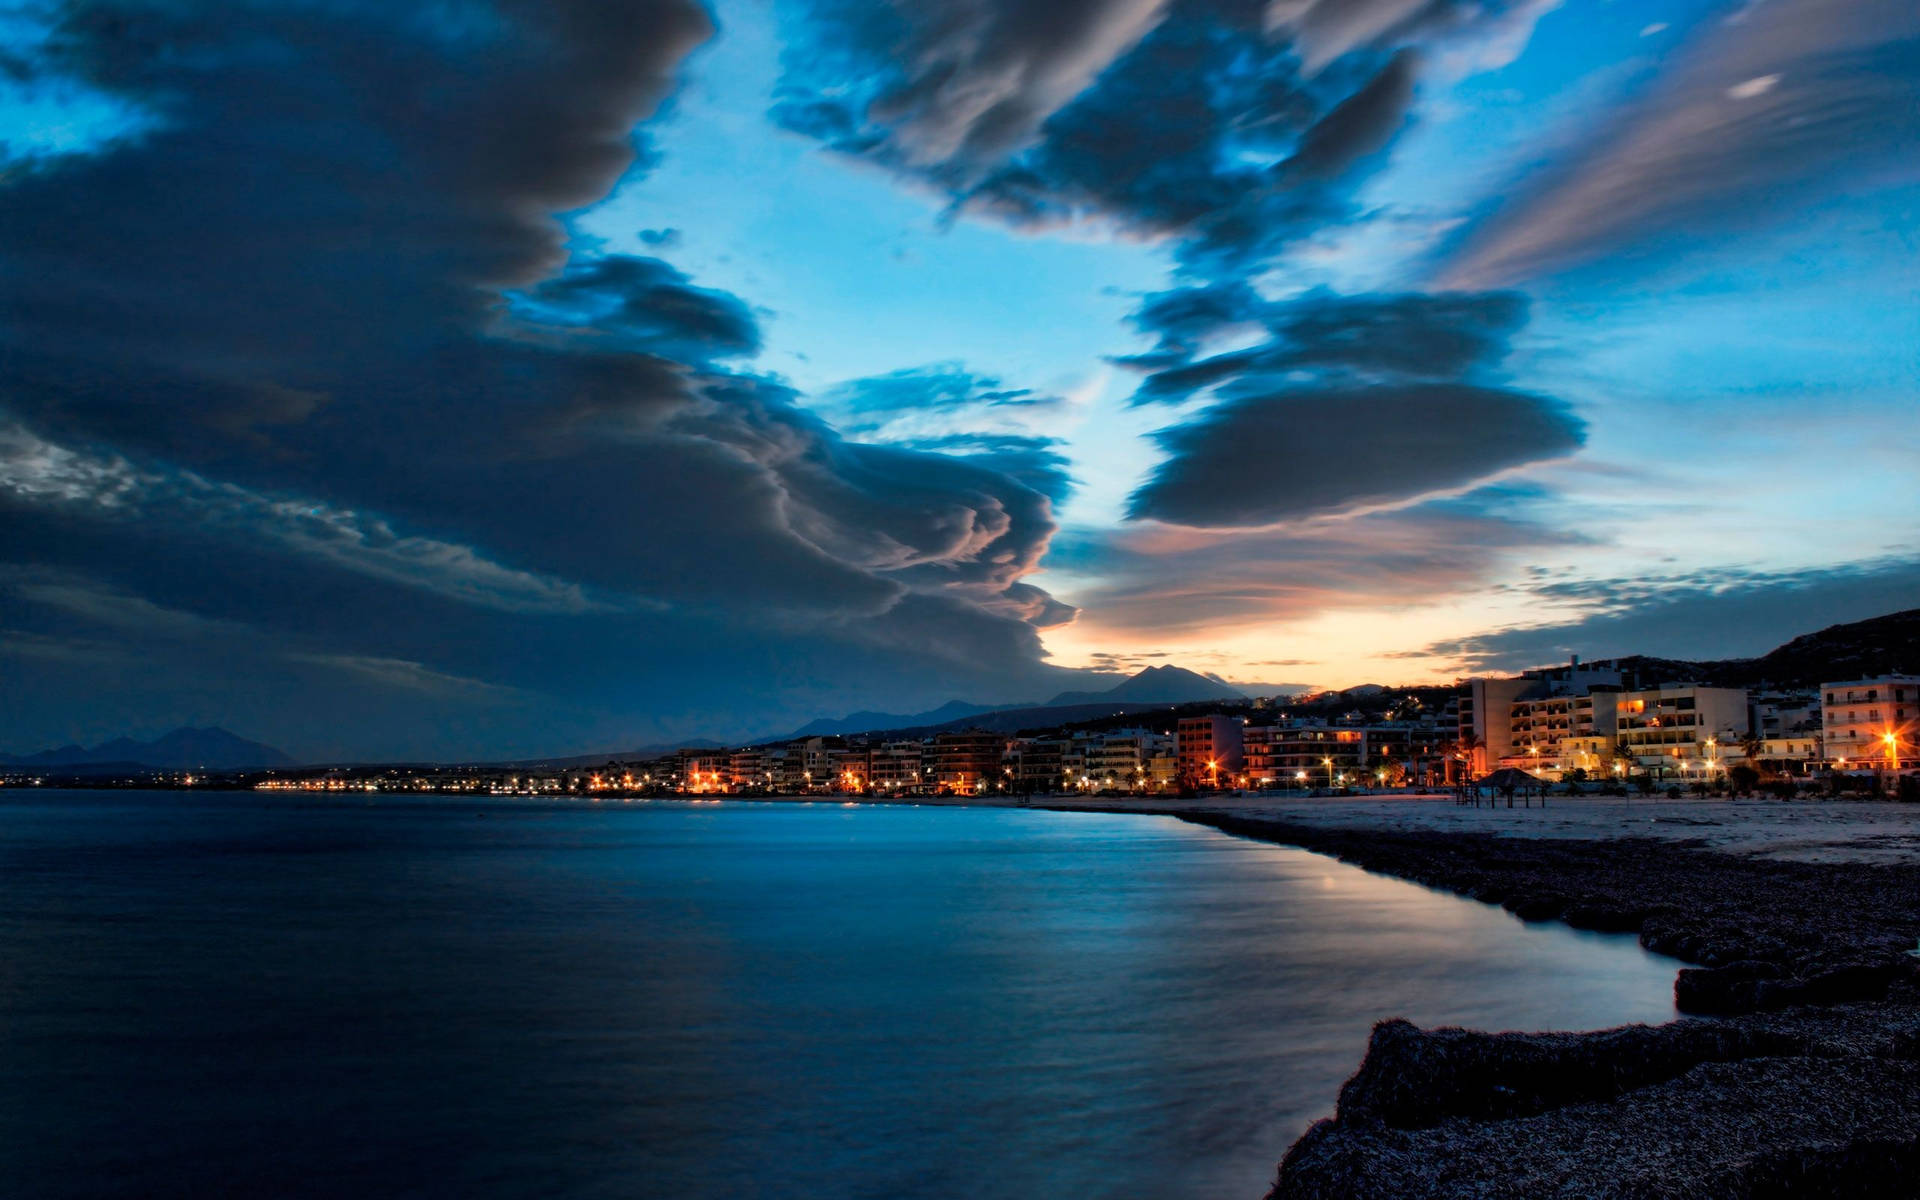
point(186, 748)
point(1152, 687)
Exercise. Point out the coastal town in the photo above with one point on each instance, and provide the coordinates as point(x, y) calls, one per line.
point(1595, 727)
point(1571, 724)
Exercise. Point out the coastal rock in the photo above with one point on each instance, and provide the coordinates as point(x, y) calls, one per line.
point(1758, 1128)
point(1414, 1078)
point(1734, 988)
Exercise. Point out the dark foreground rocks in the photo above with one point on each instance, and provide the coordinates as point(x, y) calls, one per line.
point(1799, 1077)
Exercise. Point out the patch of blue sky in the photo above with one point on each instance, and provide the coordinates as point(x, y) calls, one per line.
point(44, 114)
point(855, 272)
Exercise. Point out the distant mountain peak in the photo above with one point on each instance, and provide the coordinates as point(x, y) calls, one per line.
point(186, 748)
point(1164, 684)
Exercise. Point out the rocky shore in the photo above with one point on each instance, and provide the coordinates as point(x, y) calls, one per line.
point(1797, 1074)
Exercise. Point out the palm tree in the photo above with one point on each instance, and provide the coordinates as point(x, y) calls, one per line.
point(1752, 745)
point(1468, 743)
point(1469, 746)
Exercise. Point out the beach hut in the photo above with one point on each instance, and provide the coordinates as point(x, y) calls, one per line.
point(1508, 780)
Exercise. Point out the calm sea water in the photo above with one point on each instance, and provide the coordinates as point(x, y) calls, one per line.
point(231, 995)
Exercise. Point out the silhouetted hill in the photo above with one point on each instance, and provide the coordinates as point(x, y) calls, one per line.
point(210, 749)
point(1876, 646)
point(1154, 685)
point(861, 722)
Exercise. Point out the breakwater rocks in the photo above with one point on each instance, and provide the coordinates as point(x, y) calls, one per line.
point(1801, 1079)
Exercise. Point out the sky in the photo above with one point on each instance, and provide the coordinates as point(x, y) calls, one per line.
point(475, 379)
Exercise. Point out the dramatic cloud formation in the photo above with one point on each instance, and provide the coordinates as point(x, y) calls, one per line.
point(1354, 402)
point(357, 355)
point(1260, 460)
point(1232, 126)
point(1782, 102)
point(644, 305)
point(320, 310)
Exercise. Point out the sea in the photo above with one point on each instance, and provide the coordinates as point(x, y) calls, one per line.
point(236, 994)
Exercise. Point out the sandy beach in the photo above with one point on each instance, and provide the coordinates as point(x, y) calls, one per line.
point(1837, 831)
point(1831, 831)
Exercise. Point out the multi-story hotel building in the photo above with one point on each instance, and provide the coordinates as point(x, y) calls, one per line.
point(1560, 733)
point(896, 766)
point(1210, 749)
point(1314, 754)
point(1039, 764)
point(1871, 722)
point(1486, 719)
point(1119, 760)
point(1681, 728)
point(970, 760)
point(1524, 721)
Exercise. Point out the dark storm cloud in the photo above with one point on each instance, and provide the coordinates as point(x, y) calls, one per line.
point(1263, 459)
point(1183, 319)
point(1778, 105)
point(645, 305)
point(1386, 336)
point(1354, 402)
point(1701, 615)
point(1232, 126)
point(315, 322)
point(325, 180)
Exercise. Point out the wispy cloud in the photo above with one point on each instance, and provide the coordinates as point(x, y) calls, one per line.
point(1786, 102)
point(110, 486)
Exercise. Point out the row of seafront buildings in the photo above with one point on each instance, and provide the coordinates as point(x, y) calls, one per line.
point(1592, 721)
point(1210, 751)
point(1571, 721)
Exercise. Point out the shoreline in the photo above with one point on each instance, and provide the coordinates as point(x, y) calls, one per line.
point(1794, 1069)
point(1804, 1078)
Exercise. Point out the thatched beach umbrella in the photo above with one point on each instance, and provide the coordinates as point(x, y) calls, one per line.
point(1508, 780)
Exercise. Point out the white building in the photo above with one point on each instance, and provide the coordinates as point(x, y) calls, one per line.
point(1871, 722)
point(1680, 729)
